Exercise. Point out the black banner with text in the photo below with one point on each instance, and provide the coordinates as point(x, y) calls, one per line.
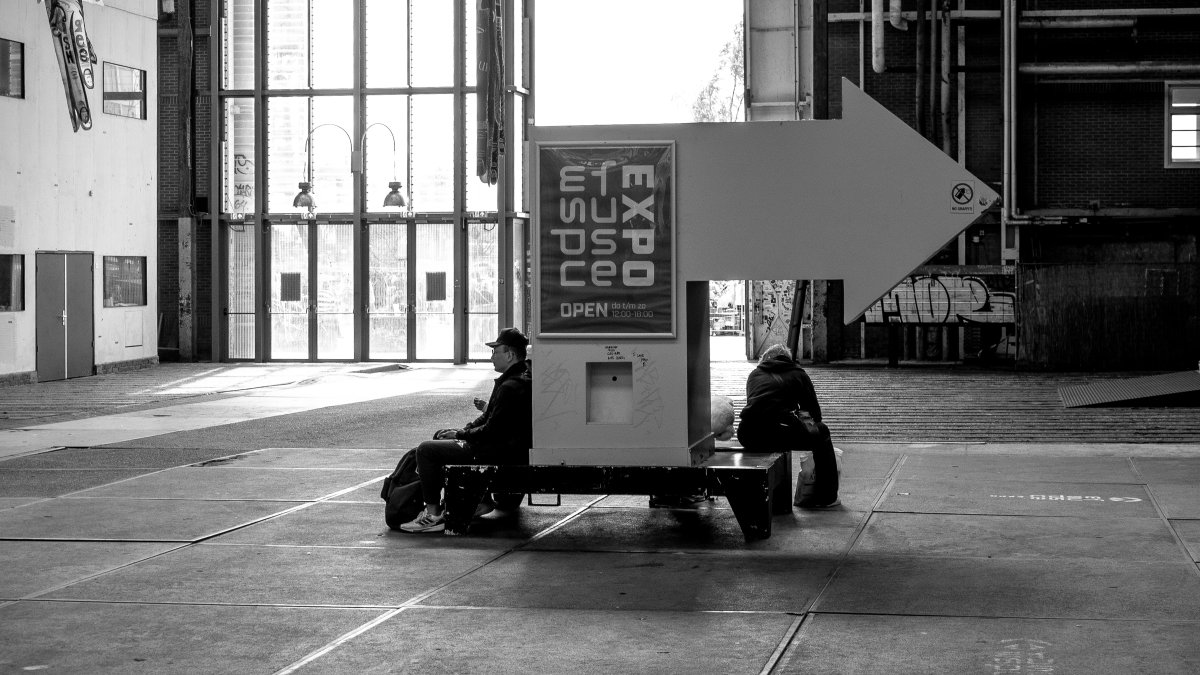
point(606, 239)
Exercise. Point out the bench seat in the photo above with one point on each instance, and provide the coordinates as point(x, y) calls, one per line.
point(757, 485)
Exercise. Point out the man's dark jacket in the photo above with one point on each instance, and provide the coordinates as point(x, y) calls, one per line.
point(503, 434)
point(773, 389)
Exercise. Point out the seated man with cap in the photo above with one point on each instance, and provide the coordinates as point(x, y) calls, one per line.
point(503, 434)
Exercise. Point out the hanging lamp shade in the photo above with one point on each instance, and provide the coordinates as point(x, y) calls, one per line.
point(305, 199)
point(393, 198)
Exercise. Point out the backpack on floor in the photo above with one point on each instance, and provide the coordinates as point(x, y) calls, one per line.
point(402, 492)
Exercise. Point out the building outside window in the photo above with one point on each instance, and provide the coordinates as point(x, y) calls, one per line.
point(124, 281)
point(12, 282)
point(12, 68)
point(124, 91)
point(1183, 129)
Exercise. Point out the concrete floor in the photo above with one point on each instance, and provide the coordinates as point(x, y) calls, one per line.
point(238, 528)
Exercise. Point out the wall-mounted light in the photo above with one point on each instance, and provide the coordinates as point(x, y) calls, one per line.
point(305, 199)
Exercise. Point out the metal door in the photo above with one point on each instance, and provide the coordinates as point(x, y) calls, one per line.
point(312, 291)
point(411, 294)
point(64, 315)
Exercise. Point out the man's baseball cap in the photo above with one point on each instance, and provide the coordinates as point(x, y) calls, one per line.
point(510, 337)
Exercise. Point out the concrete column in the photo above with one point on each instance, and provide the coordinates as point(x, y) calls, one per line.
point(828, 296)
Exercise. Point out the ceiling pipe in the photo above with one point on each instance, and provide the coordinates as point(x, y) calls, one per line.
point(1134, 68)
point(896, 16)
point(877, 62)
point(1077, 23)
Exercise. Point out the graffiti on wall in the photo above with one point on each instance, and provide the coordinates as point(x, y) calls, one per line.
point(243, 186)
point(942, 299)
point(75, 58)
point(770, 312)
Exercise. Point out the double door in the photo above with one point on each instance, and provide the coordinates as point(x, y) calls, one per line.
point(408, 297)
point(65, 347)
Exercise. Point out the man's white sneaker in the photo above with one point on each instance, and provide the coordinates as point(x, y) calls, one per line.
point(426, 522)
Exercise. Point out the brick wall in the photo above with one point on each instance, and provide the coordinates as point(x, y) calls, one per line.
point(1102, 145)
point(1080, 144)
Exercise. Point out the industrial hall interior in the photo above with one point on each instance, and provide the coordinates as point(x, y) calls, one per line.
point(318, 180)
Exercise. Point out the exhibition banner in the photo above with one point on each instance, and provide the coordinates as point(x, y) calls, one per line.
point(606, 239)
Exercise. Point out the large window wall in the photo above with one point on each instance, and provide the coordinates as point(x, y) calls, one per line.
point(326, 109)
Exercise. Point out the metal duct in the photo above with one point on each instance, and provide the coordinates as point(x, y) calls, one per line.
point(877, 63)
point(1131, 68)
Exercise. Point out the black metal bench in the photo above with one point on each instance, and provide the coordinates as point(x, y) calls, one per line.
point(757, 485)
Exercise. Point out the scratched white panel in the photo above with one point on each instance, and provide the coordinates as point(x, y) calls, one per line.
point(8, 342)
point(133, 329)
point(8, 226)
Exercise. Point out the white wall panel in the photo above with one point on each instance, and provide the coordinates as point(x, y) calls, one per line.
point(93, 190)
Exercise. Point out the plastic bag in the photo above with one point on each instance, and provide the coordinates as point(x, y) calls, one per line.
point(804, 484)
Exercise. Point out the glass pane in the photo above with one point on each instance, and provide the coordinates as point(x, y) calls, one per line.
point(240, 294)
point(520, 278)
point(237, 41)
point(329, 152)
point(329, 149)
point(124, 91)
point(431, 32)
point(237, 157)
point(519, 70)
point(483, 327)
point(12, 282)
point(1185, 96)
point(388, 291)
point(289, 291)
point(124, 281)
point(483, 242)
point(12, 68)
point(386, 49)
point(480, 195)
point(516, 145)
point(1183, 138)
point(287, 44)
point(471, 12)
point(335, 291)
point(482, 260)
point(386, 153)
point(329, 44)
point(432, 153)
point(287, 126)
point(1184, 122)
point(1185, 154)
point(434, 301)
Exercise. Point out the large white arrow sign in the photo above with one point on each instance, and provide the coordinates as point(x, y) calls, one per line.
point(865, 198)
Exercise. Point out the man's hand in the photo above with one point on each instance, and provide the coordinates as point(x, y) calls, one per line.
point(446, 434)
point(480, 403)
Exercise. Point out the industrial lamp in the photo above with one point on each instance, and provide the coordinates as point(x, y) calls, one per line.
point(305, 199)
point(393, 198)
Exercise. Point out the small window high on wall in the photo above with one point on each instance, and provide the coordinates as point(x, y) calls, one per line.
point(12, 282)
point(12, 68)
point(124, 281)
point(1183, 124)
point(124, 91)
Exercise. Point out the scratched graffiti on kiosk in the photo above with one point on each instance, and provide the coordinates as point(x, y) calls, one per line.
point(558, 391)
point(940, 299)
point(1022, 656)
point(649, 404)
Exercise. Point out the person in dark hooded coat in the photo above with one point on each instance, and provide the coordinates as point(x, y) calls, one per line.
point(774, 389)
